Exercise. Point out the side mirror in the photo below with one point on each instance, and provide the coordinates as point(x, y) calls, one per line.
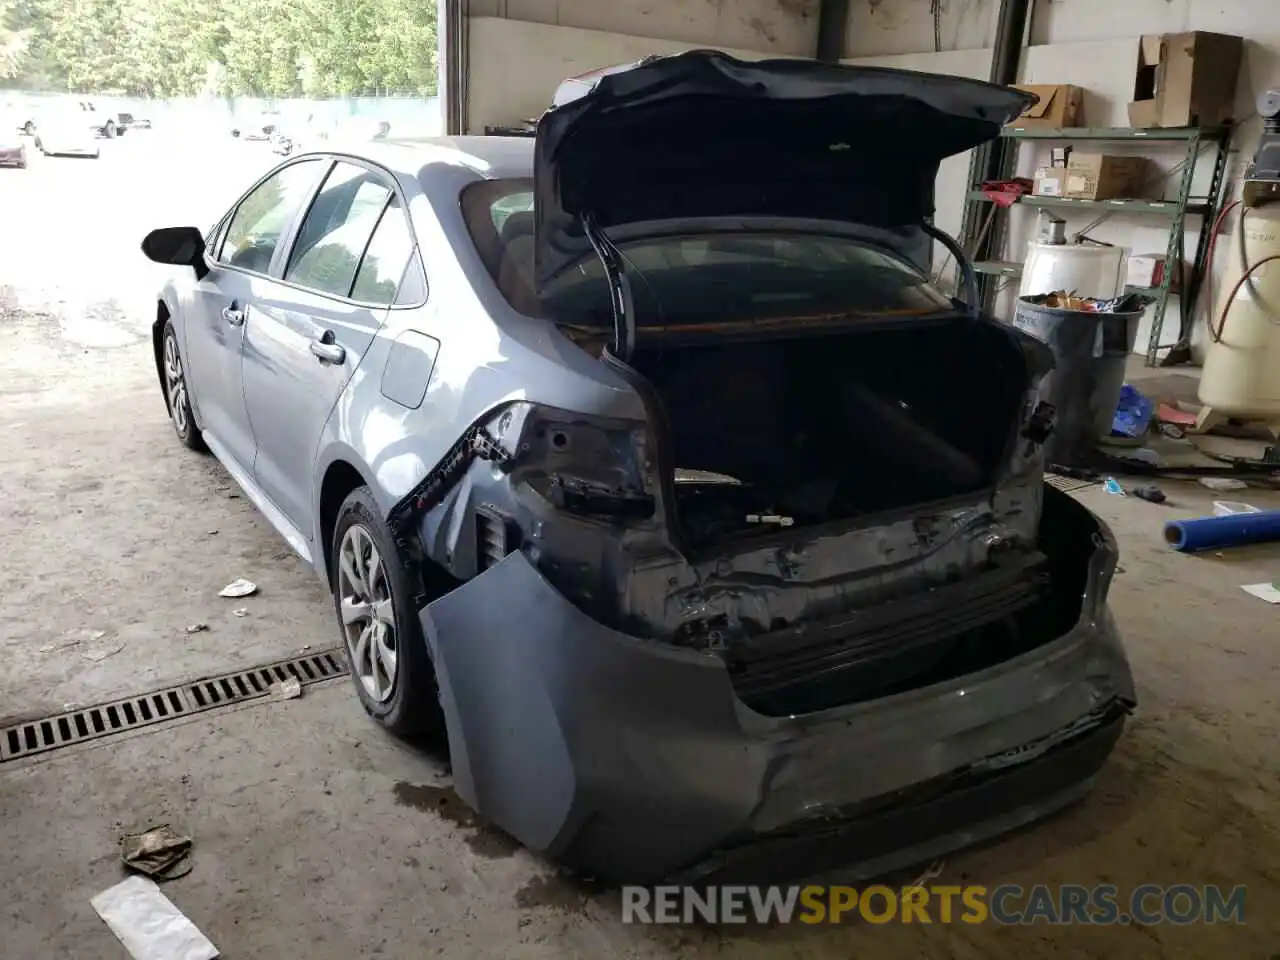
point(179, 246)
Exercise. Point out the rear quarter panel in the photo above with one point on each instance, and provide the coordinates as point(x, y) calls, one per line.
point(488, 355)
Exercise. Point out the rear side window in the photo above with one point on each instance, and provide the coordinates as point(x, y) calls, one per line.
point(337, 230)
point(256, 227)
point(385, 258)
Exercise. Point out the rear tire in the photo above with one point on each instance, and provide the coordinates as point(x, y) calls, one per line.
point(177, 392)
point(373, 600)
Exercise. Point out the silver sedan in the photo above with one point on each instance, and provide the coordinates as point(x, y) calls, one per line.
point(644, 462)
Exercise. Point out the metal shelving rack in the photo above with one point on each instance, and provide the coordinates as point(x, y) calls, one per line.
point(988, 239)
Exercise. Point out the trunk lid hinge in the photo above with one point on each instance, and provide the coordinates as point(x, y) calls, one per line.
point(620, 299)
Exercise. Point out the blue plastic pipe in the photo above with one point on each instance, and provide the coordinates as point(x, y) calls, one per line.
point(1214, 533)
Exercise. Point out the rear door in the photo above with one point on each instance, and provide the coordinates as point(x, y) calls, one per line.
point(225, 303)
point(335, 288)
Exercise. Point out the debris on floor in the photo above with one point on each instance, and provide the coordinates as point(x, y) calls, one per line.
point(289, 689)
point(1113, 487)
point(100, 652)
point(149, 925)
point(73, 638)
point(1133, 413)
point(160, 852)
point(1168, 413)
point(240, 611)
point(197, 627)
point(1229, 508)
point(239, 588)
point(1148, 492)
point(1216, 533)
point(1223, 484)
point(1263, 591)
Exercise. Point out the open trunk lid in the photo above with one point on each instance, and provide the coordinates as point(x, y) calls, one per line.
point(704, 135)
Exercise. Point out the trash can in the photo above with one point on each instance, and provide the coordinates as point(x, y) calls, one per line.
point(1089, 351)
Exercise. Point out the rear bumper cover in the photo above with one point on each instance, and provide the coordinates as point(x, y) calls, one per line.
point(637, 761)
point(13, 156)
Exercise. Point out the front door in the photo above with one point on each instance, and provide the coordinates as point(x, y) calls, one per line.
point(224, 304)
point(339, 280)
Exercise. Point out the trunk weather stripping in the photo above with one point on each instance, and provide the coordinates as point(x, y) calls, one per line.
point(624, 327)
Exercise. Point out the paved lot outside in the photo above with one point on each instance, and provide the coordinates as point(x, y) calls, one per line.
point(317, 836)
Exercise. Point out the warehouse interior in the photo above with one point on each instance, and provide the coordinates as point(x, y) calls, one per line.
point(313, 832)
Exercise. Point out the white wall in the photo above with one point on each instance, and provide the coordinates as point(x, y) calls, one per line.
point(788, 27)
point(1091, 43)
point(516, 66)
point(522, 49)
point(887, 27)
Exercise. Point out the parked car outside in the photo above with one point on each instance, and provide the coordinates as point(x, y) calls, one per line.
point(103, 123)
point(124, 122)
point(13, 150)
point(640, 473)
point(66, 131)
point(257, 126)
point(19, 118)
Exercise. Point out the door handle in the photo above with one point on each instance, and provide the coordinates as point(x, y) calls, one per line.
point(233, 315)
point(326, 351)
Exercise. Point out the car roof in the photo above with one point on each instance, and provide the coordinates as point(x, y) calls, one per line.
point(406, 157)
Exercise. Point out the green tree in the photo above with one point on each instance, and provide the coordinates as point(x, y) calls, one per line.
point(273, 48)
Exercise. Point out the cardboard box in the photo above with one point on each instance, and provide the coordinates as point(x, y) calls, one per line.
point(1060, 105)
point(1099, 176)
point(1185, 80)
point(1147, 270)
point(1049, 182)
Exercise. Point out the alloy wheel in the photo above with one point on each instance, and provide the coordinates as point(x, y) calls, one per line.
point(368, 619)
point(175, 384)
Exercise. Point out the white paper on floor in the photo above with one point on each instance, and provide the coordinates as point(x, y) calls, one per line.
point(149, 925)
point(1263, 591)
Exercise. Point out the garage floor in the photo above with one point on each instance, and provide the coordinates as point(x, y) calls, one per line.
point(317, 836)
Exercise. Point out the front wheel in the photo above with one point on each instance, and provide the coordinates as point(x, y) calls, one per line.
point(373, 598)
point(176, 392)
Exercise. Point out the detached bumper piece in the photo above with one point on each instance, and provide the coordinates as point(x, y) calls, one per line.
point(635, 761)
point(927, 821)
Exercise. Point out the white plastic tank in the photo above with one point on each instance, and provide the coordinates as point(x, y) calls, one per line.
point(1085, 269)
point(1241, 376)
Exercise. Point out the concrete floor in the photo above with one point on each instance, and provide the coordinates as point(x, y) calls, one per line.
point(317, 836)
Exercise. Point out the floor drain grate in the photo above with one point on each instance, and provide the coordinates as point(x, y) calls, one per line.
point(1067, 484)
point(89, 723)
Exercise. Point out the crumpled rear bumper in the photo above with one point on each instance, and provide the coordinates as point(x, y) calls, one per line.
point(636, 761)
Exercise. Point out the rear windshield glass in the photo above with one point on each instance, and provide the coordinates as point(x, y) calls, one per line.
point(684, 279)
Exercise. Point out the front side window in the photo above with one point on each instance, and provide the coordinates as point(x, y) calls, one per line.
point(337, 229)
point(258, 224)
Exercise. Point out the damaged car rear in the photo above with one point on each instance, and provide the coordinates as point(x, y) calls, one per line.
point(644, 457)
point(814, 608)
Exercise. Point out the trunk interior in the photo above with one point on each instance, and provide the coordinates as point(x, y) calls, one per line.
point(814, 429)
